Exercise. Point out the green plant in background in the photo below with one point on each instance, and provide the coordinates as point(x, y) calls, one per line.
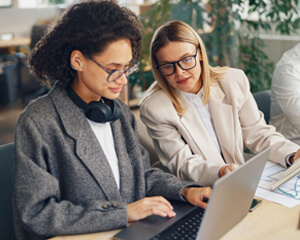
point(188, 11)
point(222, 40)
point(232, 39)
point(151, 20)
point(255, 63)
point(55, 2)
point(284, 17)
point(285, 14)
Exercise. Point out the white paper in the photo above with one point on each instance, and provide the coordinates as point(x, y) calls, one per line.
point(288, 194)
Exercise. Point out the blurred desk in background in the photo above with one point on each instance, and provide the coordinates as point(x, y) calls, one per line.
point(15, 42)
point(14, 45)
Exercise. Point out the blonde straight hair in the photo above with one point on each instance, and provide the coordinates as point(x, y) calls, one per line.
point(178, 31)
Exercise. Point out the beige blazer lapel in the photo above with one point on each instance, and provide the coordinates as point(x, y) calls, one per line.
point(202, 142)
point(222, 116)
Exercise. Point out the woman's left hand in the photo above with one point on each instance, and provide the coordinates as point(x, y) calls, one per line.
point(197, 195)
point(297, 155)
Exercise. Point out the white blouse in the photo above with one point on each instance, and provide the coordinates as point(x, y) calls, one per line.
point(104, 135)
point(204, 114)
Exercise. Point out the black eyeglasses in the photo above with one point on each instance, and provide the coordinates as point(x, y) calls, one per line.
point(114, 75)
point(186, 63)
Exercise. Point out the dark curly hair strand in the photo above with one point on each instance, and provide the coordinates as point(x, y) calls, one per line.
point(88, 27)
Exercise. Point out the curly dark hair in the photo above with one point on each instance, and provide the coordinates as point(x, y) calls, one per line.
point(88, 27)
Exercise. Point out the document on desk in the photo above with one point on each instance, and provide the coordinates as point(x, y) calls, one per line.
point(287, 194)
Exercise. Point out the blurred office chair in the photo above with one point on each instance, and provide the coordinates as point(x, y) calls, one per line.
point(263, 100)
point(147, 143)
point(6, 189)
point(9, 79)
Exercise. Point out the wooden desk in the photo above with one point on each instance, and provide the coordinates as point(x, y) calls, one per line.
point(268, 222)
point(15, 42)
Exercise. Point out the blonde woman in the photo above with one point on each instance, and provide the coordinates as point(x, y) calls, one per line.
point(201, 117)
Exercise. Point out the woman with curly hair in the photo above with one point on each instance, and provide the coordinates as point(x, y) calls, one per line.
point(79, 165)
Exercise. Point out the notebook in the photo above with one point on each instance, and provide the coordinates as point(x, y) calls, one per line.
point(228, 205)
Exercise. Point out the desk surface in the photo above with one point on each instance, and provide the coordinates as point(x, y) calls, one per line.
point(268, 222)
point(15, 42)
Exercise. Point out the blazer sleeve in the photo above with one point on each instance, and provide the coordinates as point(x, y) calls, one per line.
point(38, 201)
point(173, 151)
point(257, 135)
point(159, 183)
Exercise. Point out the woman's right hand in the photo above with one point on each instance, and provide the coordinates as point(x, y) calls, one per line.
point(148, 206)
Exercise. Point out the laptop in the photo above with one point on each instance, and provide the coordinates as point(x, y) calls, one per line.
point(229, 203)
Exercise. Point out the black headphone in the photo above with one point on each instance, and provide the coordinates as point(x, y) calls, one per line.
point(101, 112)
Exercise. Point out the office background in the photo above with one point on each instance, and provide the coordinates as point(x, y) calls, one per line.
point(18, 18)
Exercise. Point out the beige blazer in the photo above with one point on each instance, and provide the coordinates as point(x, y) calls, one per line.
point(183, 144)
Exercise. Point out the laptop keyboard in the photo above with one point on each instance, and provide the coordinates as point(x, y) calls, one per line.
point(185, 229)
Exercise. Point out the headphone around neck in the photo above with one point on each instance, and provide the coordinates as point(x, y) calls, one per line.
point(97, 111)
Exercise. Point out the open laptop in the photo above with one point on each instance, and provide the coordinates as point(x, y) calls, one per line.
point(228, 205)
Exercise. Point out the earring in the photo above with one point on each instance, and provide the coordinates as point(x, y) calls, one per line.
point(80, 64)
point(72, 66)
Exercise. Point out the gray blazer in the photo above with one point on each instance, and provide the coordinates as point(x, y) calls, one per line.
point(63, 182)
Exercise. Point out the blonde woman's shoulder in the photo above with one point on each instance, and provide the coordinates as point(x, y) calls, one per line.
point(235, 81)
point(234, 76)
point(155, 99)
point(235, 72)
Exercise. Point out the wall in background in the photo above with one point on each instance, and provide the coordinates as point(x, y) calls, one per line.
point(276, 45)
point(19, 21)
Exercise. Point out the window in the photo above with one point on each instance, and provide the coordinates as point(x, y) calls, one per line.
point(49, 3)
point(43, 3)
point(5, 3)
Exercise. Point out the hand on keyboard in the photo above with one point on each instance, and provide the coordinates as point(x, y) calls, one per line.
point(148, 206)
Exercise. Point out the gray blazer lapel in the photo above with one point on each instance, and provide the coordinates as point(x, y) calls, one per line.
point(125, 166)
point(222, 115)
point(87, 146)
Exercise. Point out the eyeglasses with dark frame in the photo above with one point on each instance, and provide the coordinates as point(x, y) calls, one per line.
point(114, 75)
point(186, 63)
